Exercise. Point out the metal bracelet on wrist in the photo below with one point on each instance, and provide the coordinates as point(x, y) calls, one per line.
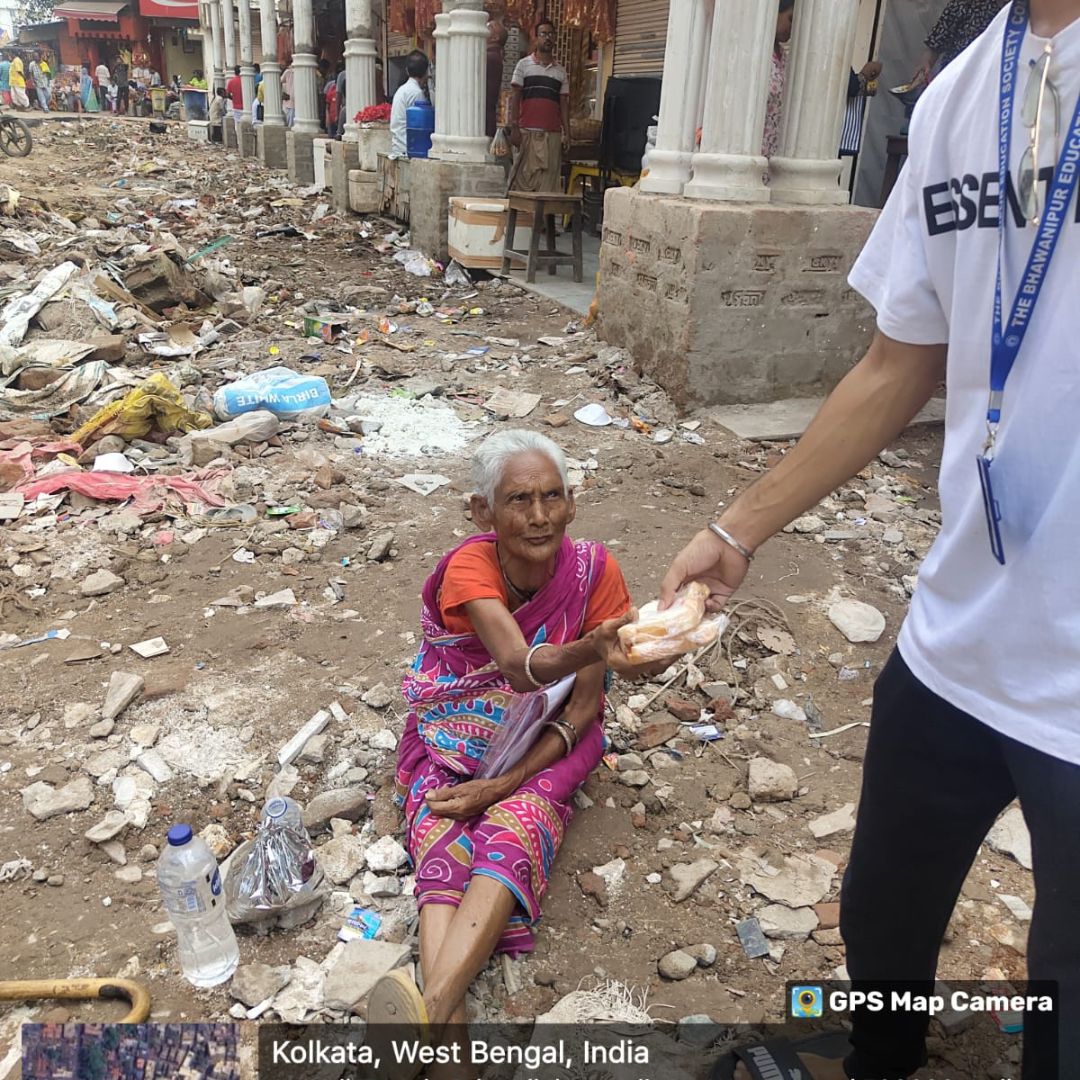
point(559, 727)
point(730, 540)
point(528, 664)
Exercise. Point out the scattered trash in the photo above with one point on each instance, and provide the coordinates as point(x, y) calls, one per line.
point(112, 463)
point(154, 405)
point(16, 315)
point(324, 327)
point(752, 939)
point(280, 390)
point(514, 404)
point(594, 415)
point(423, 483)
point(150, 648)
point(456, 274)
point(361, 923)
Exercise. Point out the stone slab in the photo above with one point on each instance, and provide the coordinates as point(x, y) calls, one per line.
point(732, 304)
point(363, 192)
point(198, 130)
point(431, 184)
point(300, 157)
point(344, 158)
point(270, 144)
point(790, 417)
point(228, 133)
point(247, 141)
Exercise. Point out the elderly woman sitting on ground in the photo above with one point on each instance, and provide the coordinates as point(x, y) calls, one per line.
point(506, 612)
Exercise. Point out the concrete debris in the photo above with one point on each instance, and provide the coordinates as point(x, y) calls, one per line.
point(44, 801)
point(771, 781)
point(358, 968)
point(101, 583)
point(689, 877)
point(787, 924)
point(378, 697)
point(341, 858)
point(350, 803)
point(385, 855)
point(794, 880)
point(839, 821)
point(254, 983)
point(111, 825)
point(858, 622)
point(302, 997)
point(217, 839)
point(1010, 836)
point(123, 689)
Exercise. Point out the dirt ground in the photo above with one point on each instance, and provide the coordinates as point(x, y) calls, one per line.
point(237, 682)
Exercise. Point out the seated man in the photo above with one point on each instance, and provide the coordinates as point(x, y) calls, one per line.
point(506, 612)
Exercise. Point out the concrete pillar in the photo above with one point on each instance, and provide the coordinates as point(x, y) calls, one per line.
point(247, 65)
point(228, 28)
point(218, 80)
point(270, 135)
point(463, 97)
point(729, 165)
point(685, 67)
point(359, 64)
point(299, 140)
point(807, 169)
point(207, 46)
point(441, 48)
point(305, 66)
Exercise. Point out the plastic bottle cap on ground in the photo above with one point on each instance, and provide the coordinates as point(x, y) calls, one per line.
point(179, 835)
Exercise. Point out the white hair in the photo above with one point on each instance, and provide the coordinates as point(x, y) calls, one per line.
point(494, 453)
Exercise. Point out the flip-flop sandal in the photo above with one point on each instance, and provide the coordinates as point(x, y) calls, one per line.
point(778, 1059)
point(397, 1013)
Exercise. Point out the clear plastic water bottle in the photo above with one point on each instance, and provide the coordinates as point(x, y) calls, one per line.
point(190, 884)
point(281, 812)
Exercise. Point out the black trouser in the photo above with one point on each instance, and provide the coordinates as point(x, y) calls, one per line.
point(102, 97)
point(122, 93)
point(934, 780)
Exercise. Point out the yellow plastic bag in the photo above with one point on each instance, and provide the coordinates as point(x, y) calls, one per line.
point(155, 404)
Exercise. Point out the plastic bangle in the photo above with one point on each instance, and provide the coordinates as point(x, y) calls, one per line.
point(569, 729)
point(730, 540)
point(528, 664)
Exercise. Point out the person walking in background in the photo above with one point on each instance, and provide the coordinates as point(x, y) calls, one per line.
point(5, 76)
point(217, 114)
point(39, 73)
point(17, 79)
point(412, 90)
point(234, 89)
point(104, 80)
point(122, 79)
point(539, 116)
point(287, 101)
point(342, 103)
point(959, 25)
point(87, 94)
point(257, 108)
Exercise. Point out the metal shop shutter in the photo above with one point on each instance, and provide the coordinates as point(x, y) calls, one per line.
point(640, 37)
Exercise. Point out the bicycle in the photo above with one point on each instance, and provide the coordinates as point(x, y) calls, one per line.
point(15, 137)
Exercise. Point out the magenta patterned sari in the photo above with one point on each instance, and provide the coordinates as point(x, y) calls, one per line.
point(457, 699)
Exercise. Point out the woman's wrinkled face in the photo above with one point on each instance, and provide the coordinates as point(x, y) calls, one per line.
point(531, 508)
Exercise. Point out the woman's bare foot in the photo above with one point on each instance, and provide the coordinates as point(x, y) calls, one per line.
point(819, 1068)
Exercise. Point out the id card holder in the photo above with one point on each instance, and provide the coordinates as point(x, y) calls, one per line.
point(991, 508)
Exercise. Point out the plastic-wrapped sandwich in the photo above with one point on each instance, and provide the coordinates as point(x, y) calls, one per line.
point(682, 628)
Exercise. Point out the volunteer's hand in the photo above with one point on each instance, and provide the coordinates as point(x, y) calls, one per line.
point(871, 70)
point(709, 559)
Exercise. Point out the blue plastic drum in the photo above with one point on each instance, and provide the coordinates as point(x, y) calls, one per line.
point(419, 125)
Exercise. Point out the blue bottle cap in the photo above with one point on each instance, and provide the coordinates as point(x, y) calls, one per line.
point(276, 807)
point(179, 835)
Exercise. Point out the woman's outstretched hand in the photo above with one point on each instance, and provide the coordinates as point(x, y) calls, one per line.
point(605, 640)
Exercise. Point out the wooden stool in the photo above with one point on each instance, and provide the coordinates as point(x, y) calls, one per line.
point(544, 206)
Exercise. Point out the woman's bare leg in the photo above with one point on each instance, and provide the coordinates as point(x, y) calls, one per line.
point(468, 941)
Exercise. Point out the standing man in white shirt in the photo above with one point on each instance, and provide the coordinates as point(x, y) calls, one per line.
point(104, 81)
point(412, 90)
point(980, 702)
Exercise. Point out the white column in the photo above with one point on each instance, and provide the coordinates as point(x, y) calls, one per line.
point(218, 80)
point(463, 97)
point(359, 64)
point(304, 68)
point(441, 49)
point(686, 57)
point(807, 169)
point(729, 165)
point(273, 114)
point(228, 29)
point(247, 66)
point(207, 45)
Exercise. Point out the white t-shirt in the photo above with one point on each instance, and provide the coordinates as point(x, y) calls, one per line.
point(104, 76)
point(999, 642)
point(405, 97)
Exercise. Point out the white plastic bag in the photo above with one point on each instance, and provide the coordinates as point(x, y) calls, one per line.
point(282, 391)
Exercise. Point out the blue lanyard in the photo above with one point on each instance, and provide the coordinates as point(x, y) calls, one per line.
point(1007, 340)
